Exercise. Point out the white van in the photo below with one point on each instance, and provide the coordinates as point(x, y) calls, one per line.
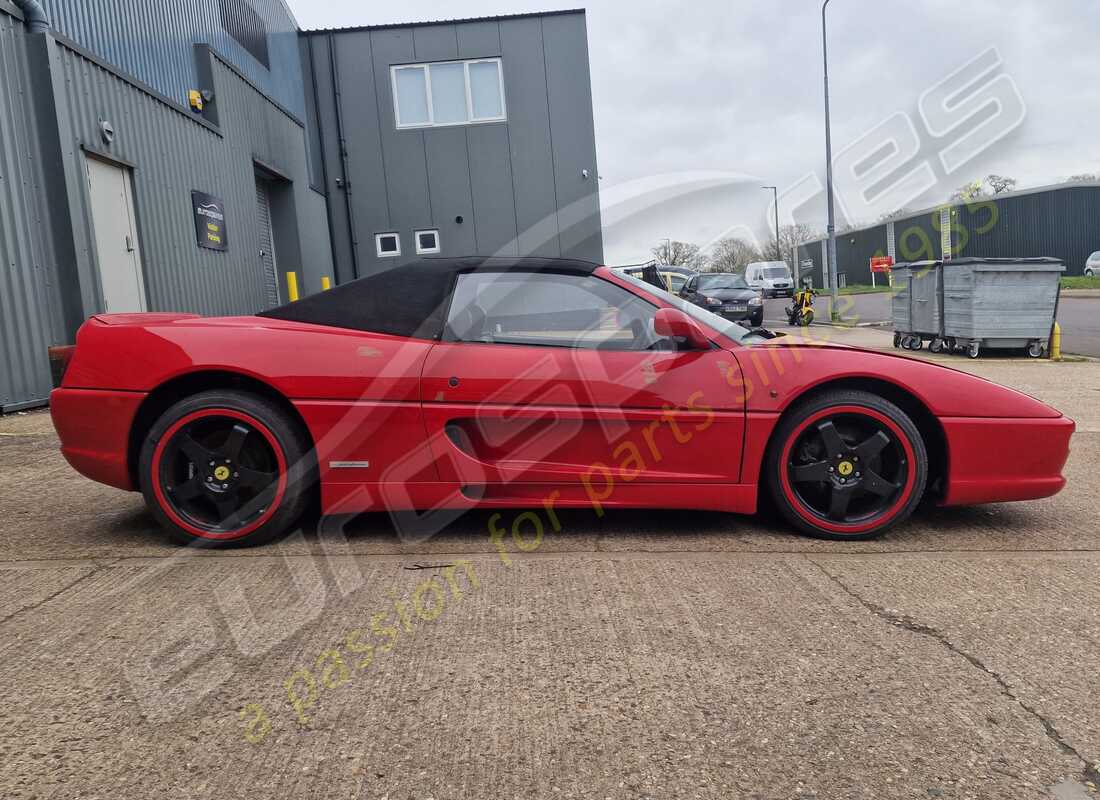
point(773, 278)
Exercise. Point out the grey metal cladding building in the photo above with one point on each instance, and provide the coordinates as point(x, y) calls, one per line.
point(1061, 221)
point(117, 195)
point(517, 177)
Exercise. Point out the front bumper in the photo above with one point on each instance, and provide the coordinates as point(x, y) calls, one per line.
point(751, 312)
point(94, 428)
point(1003, 460)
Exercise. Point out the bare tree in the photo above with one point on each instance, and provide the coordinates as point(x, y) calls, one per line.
point(967, 192)
point(790, 237)
point(679, 254)
point(1000, 183)
point(733, 255)
point(890, 216)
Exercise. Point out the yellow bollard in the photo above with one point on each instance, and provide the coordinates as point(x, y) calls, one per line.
point(326, 284)
point(292, 286)
point(1056, 343)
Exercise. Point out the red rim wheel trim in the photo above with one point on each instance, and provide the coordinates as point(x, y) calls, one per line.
point(847, 469)
point(219, 473)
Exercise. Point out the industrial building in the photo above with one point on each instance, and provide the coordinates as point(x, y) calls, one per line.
point(208, 156)
point(1061, 221)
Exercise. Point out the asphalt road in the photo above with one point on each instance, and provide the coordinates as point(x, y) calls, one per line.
point(647, 654)
point(1078, 316)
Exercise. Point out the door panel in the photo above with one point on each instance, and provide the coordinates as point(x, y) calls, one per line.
point(115, 229)
point(268, 264)
point(498, 413)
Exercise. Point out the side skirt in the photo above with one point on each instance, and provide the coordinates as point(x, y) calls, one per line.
point(348, 498)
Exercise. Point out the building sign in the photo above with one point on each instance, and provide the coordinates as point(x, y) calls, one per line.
point(209, 221)
point(881, 263)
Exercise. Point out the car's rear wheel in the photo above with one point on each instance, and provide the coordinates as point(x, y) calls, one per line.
point(226, 469)
point(847, 465)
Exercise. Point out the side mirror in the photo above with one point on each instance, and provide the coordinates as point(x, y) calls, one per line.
point(674, 322)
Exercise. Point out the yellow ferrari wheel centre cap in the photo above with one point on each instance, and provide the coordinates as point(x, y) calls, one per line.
point(221, 473)
point(844, 468)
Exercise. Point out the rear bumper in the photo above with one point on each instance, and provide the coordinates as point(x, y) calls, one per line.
point(94, 428)
point(1002, 460)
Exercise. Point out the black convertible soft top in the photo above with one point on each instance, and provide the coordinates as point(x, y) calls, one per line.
point(409, 300)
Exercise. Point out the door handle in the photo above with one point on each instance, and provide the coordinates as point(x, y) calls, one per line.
point(129, 243)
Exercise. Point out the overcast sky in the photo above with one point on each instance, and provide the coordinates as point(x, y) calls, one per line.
point(734, 88)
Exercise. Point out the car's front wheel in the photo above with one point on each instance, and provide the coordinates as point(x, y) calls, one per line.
point(847, 465)
point(225, 469)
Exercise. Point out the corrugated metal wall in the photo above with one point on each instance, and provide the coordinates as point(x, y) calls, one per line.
point(517, 186)
point(172, 154)
point(854, 250)
point(25, 256)
point(154, 43)
point(1061, 224)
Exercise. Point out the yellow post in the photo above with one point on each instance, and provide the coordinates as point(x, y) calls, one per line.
point(292, 286)
point(1056, 343)
point(326, 284)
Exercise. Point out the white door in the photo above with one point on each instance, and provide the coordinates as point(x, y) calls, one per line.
point(112, 199)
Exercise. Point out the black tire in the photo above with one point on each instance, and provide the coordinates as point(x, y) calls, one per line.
point(897, 340)
point(270, 499)
point(757, 321)
point(1035, 350)
point(904, 468)
point(936, 346)
point(973, 350)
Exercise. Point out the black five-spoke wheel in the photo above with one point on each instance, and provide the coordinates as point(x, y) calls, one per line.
point(219, 471)
point(226, 468)
point(847, 465)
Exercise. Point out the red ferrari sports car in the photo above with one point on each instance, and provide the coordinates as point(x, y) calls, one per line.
point(452, 384)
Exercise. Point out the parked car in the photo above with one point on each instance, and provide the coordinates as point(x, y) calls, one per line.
point(666, 276)
point(496, 383)
point(676, 276)
point(1092, 266)
point(726, 294)
point(773, 278)
point(646, 272)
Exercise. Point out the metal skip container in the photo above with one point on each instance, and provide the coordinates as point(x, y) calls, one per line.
point(973, 303)
point(917, 304)
point(1000, 303)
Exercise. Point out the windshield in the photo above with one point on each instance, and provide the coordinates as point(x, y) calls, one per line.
point(722, 282)
point(724, 326)
point(776, 272)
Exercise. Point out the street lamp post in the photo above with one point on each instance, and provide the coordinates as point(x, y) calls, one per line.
point(775, 194)
point(831, 228)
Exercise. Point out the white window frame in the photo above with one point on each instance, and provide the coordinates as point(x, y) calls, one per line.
point(470, 119)
point(423, 251)
point(378, 244)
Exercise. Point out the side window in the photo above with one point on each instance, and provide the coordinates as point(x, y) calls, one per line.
point(549, 310)
point(690, 287)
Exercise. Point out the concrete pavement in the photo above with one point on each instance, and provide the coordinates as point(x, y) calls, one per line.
point(666, 654)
